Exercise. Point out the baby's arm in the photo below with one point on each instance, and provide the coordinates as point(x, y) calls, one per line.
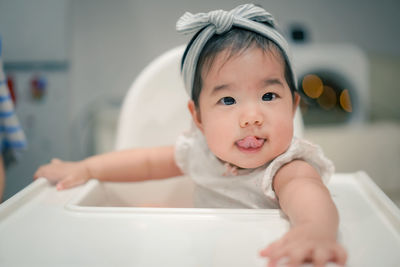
point(127, 165)
point(314, 219)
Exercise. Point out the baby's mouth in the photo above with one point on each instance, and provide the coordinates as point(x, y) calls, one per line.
point(250, 142)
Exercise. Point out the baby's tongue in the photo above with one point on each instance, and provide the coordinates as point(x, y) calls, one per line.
point(250, 142)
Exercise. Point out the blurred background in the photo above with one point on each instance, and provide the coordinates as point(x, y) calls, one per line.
point(69, 64)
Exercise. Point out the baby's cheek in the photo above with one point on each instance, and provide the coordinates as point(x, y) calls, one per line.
point(283, 136)
point(219, 145)
point(283, 124)
point(216, 145)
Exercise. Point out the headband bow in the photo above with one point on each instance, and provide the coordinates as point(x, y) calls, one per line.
point(248, 17)
point(221, 19)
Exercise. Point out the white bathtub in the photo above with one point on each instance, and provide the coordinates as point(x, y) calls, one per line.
point(125, 224)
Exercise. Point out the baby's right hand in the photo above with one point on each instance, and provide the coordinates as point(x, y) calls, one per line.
point(65, 174)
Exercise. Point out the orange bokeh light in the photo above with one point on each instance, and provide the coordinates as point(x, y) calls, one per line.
point(312, 86)
point(345, 101)
point(328, 98)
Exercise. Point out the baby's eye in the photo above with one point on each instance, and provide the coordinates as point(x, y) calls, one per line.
point(227, 100)
point(269, 96)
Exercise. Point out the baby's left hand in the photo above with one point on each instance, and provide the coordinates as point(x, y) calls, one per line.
point(305, 243)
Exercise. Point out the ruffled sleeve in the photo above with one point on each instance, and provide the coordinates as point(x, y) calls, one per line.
point(189, 148)
point(182, 150)
point(303, 150)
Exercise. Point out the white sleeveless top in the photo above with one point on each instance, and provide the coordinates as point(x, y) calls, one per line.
point(218, 186)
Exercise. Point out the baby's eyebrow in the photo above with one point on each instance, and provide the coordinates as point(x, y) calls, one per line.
point(273, 81)
point(219, 88)
point(267, 82)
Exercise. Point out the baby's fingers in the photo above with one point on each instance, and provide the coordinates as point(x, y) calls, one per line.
point(298, 255)
point(266, 252)
point(56, 160)
point(340, 255)
point(292, 256)
point(40, 172)
point(68, 182)
point(321, 257)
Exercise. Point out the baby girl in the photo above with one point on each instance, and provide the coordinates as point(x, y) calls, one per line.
point(241, 151)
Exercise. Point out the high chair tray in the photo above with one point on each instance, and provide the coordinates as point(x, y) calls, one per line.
point(103, 224)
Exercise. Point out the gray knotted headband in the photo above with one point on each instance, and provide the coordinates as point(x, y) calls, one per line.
point(246, 16)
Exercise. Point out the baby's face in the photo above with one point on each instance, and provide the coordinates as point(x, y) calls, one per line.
point(245, 108)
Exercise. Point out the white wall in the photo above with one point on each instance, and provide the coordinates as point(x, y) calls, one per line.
point(34, 30)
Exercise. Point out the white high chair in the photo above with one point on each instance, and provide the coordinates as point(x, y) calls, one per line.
point(154, 111)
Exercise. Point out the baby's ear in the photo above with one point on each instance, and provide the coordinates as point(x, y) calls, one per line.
point(195, 112)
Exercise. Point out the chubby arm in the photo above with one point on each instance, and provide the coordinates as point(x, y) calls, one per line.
point(313, 216)
point(122, 166)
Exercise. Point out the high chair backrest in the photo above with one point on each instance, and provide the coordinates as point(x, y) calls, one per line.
point(154, 111)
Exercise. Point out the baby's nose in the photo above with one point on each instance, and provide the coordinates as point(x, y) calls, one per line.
point(250, 118)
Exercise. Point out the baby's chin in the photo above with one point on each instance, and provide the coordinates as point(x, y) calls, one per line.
point(242, 162)
point(249, 165)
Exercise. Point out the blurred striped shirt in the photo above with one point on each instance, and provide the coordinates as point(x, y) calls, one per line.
point(12, 137)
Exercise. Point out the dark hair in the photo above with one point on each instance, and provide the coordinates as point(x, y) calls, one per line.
point(236, 40)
